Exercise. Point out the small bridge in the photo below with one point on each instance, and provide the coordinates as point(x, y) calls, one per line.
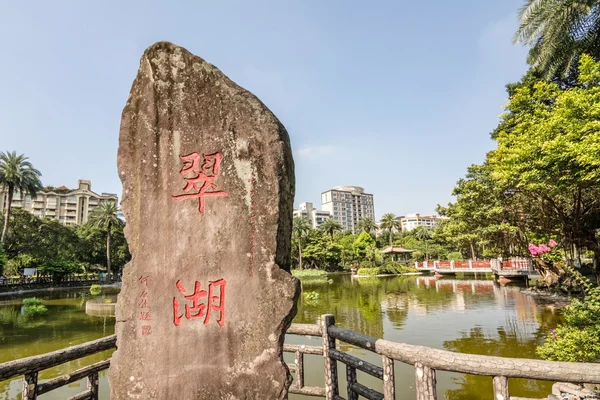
point(426, 362)
point(517, 267)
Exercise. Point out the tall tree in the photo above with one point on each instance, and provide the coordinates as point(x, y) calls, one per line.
point(301, 227)
point(559, 32)
point(331, 226)
point(390, 224)
point(17, 174)
point(552, 154)
point(424, 234)
point(105, 216)
point(366, 224)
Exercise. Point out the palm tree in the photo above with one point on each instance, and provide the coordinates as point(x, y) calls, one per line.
point(331, 226)
point(389, 223)
point(17, 174)
point(366, 224)
point(300, 227)
point(559, 32)
point(425, 234)
point(105, 217)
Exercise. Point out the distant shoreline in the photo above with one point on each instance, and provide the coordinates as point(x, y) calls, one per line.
point(380, 275)
point(56, 289)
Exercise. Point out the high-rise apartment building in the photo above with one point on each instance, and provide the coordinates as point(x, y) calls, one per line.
point(348, 205)
point(315, 216)
point(67, 206)
point(411, 221)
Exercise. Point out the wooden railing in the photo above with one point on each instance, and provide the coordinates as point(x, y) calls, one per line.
point(31, 366)
point(425, 360)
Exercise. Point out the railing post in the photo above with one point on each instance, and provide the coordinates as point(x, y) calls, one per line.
point(350, 380)
point(30, 386)
point(501, 388)
point(425, 382)
point(389, 382)
point(93, 385)
point(331, 376)
point(299, 361)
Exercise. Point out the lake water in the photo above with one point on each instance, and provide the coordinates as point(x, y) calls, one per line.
point(464, 315)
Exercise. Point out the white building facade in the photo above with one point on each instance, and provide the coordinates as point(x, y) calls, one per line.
point(67, 206)
point(348, 205)
point(412, 221)
point(308, 211)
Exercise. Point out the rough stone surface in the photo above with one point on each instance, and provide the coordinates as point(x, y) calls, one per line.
point(185, 119)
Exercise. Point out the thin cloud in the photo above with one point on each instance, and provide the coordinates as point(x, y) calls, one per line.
point(311, 152)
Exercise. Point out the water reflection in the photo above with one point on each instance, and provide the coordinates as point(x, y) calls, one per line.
point(466, 315)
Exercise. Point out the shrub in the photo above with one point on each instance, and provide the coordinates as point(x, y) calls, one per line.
point(95, 290)
point(455, 256)
point(16, 265)
point(577, 339)
point(309, 273)
point(3, 259)
point(369, 271)
point(367, 264)
point(34, 307)
point(58, 269)
point(396, 268)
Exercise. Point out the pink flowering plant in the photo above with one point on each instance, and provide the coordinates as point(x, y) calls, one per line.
point(545, 252)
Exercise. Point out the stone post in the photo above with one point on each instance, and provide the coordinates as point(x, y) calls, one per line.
point(331, 376)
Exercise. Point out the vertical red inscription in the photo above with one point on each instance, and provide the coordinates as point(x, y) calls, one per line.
point(197, 310)
point(144, 305)
point(199, 178)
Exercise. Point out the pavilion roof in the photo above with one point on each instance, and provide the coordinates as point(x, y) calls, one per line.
point(396, 250)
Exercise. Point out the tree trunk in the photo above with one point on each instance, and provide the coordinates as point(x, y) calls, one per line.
point(426, 256)
point(391, 238)
point(472, 250)
point(299, 253)
point(108, 269)
point(596, 264)
point(7, 213)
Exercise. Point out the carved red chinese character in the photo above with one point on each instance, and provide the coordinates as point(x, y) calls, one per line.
point(146, 330)
point(145, 316)
point(200, 178)
point(144, 279)
point(198, 310)
point(144, 303)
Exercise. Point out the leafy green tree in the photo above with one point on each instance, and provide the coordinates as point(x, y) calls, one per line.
point(319, 252)
point(366, 224)
point(363, 246)
point(390, 224)
point(300, 228)
point(92, 246)
point(424, 234)
point(552, 155)
point(105, 216)
point(3, 260)
point(17, 174)
point(559, 32)
point(346, 241)
point(331, 226)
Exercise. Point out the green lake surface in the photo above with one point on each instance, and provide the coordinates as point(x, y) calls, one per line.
point(459, 314)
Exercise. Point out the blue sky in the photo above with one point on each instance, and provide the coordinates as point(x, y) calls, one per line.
point(396, 96)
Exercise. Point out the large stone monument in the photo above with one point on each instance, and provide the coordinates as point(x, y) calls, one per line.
point(208, 188)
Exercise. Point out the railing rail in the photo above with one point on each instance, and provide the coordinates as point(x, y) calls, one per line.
point(31, 366)
point(425, 360)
